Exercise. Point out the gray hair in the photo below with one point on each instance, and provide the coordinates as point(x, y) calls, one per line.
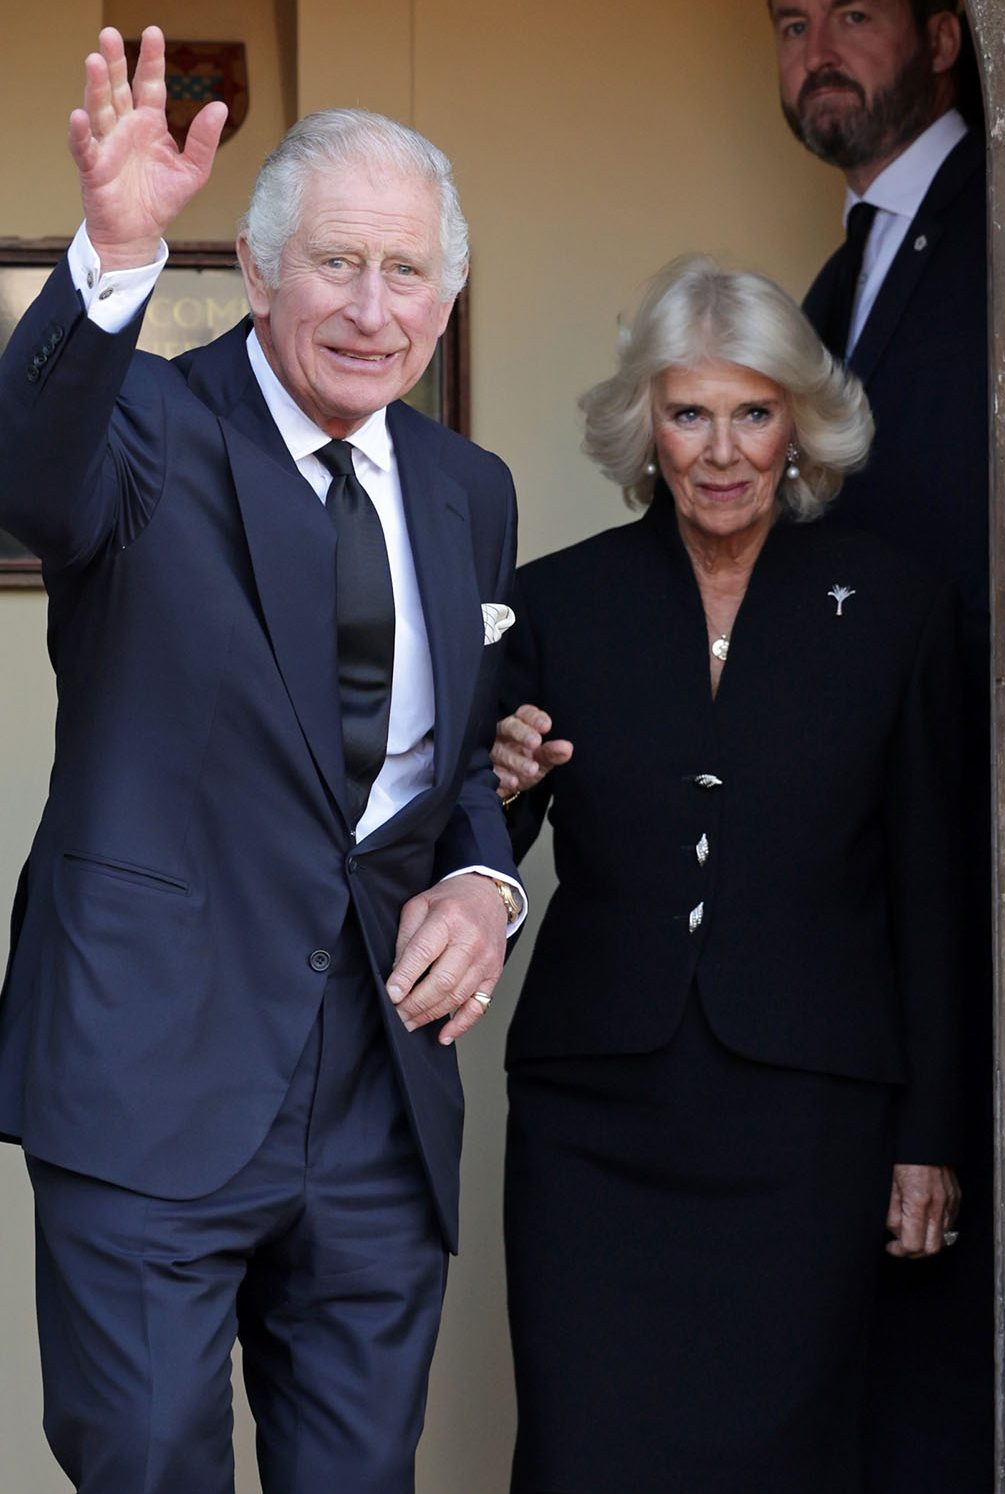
point(692, 311)
point(347, 138)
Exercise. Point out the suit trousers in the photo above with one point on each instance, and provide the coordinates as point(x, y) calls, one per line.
point(322, 1255)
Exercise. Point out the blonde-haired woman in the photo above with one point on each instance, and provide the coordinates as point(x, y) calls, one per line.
point(731, 1063)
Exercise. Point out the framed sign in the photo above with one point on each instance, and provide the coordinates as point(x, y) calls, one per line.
point(199, 295)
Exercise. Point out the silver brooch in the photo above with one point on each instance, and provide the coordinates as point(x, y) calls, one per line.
point(841, 595)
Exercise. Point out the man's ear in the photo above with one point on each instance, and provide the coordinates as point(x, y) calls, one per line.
point(255, 288)
point(944, 40)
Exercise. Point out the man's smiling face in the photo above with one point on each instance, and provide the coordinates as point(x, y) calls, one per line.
point(354, 320)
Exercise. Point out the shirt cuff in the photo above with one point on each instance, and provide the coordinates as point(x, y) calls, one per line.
point(518, 892)
point(111, 300)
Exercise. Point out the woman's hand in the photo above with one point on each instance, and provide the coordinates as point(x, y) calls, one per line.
point(520, 755)
point(133, 179)
point(924, 1203)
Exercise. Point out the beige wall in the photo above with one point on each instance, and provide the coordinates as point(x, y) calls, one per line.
point(592, 142)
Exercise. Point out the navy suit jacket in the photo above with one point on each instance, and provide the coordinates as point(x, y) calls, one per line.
point(789, 846)
point(194, 864)
point(923, 358)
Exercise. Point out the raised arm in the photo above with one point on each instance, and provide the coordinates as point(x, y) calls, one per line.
point(134, 181)
point(61, 370)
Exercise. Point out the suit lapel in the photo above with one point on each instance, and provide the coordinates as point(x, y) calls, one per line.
point(909, 267)
point(292, 546)
point(914, 256)
point(439, 532)
point(769, 593)
point(220, 375)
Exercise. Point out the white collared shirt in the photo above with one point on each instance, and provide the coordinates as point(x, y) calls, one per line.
point(111, 300)
point(897, 194)
point(408, 765)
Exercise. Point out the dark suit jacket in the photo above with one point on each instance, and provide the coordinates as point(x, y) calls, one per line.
point(789, 846)
point(193, 865)
point(923, 358)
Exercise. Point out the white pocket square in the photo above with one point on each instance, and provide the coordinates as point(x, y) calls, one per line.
point(497, 619)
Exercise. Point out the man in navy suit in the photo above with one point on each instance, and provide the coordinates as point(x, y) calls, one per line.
point(874, 88)
point(271, 884)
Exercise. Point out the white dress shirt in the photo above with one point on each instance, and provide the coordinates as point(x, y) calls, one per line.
point(111, 300)
point(408, 765)
point(897, 194)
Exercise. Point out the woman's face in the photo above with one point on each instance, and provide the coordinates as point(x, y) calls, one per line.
point(721, 435)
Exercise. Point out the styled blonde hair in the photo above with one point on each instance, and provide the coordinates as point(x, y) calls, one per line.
point(694, 311)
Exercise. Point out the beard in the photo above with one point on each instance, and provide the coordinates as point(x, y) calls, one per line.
point(857, 136)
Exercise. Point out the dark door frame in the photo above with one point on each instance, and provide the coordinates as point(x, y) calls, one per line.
point(987, 19)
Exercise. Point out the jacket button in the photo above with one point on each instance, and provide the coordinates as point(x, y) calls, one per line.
point(701, 850)
point(695, 918)
point(55, 335)
point(707, 781)
point(33, 376)
point(320, 960)
point(40, 358)
point(352, 864)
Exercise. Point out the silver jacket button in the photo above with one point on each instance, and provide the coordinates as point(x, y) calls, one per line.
point(694, 918)
point(707, 781)
point(701, 850)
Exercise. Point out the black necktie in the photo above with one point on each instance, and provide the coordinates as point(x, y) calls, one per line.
point(364, 612)
point(849, 268)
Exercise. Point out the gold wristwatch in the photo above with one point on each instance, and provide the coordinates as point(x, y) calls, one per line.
point(510, 901)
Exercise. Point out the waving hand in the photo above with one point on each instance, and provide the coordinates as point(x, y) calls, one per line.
point(133, 179)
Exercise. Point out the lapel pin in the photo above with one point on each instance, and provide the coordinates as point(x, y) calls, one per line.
point(841, 595)
point(920, 243)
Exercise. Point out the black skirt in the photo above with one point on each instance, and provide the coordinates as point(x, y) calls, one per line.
point(692, 1246)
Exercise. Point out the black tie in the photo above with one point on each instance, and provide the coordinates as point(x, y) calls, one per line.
point(849, 268)
point(364, 614)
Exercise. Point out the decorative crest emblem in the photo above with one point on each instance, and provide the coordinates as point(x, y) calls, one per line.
point(196, 73)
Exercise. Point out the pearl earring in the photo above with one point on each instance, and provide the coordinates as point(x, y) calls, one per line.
point(792, 457)
point(650, 469)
